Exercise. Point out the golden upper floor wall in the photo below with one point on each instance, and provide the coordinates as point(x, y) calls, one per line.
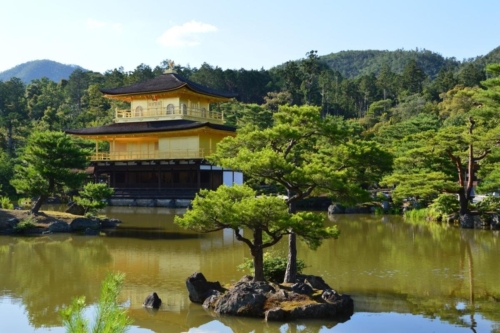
point(187, 145)
point(170, 108)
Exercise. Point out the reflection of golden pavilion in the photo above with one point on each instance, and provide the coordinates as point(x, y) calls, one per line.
point(157, 148)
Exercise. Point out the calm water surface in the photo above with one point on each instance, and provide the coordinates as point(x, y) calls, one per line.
point(403, 277)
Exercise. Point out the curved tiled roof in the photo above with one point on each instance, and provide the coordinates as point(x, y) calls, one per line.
point(148, 126)
point(166, 82)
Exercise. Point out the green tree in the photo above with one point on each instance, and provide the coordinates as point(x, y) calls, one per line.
point(291, 76)
point(305, 154)
point(13, 109)
point(412, 78)
point(50, 161)
point(387, 81)
point(471, 76)
point(267, 217)
point(442, 163)
point(92, 197)
point(311, 69)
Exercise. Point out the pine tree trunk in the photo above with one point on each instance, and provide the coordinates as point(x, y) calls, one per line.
point(464, 201)
point(291, 266)
point(38, 204)
point(258, 256)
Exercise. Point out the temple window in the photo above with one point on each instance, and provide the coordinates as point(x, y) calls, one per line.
point(138, 111)
point(170, 109)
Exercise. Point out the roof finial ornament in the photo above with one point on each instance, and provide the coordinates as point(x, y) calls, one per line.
point(170, 68)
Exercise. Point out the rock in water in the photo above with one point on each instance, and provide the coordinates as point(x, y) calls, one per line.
point(199, 288)
point(152, 301)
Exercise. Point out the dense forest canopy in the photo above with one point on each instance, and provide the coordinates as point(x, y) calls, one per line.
point(396, 98)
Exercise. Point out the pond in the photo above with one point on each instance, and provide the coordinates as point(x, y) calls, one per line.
point(411, 277)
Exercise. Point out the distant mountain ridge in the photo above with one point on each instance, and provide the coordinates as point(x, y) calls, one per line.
point(350, 64)
point(357, 63)
point(37, 69)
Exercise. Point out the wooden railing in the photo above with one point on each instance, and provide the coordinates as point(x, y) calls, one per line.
point(163, 193)
point(169, 112)
point(152, 155)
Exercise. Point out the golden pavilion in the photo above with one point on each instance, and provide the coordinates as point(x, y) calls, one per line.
point(157, 148)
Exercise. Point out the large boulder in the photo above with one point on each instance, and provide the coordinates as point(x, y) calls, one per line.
point(108, 223)
point(13, 222)
point(82, 224)
point(330, 296)
point(91, 232)
point(343, 307)
point(211, 299)
point(152, 301)
point(302, 288)
point(314, 281)
point(59, 226)
point(495, 222)
point(199, 288)
point(357, 210)
point(275, 314)
point(336, 208)
point(75, 209)
point(245, 299)
point(471, 221)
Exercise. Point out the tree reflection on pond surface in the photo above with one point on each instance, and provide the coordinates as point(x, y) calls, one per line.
point(402, 276)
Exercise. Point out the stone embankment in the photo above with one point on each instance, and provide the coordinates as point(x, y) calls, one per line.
point(309, 298)
point(21, 222)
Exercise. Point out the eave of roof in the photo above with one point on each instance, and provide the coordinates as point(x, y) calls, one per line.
point(164, 83)
point(147, 127)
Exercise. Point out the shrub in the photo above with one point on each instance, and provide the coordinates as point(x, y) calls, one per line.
point(24, 202)
point(110, 318)
point(445, 204)
point(274, 267)
point(488, 204)
point(92, 197)
point(24, 225)
point(6, 203)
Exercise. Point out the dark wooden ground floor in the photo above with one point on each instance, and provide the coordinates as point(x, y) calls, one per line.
point(169, 179)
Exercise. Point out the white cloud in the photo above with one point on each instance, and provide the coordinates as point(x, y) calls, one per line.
point(99, 25)
point(94, 24)
point(117, 27)
point(186, 34)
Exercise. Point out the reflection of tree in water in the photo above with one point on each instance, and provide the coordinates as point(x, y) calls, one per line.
point(46, 274)
point(430, 269)
point(465, 297)
point(258, 325)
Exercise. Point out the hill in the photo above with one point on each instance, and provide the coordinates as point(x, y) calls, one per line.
point(356, 63)
point(37, 69)
point(490, 58)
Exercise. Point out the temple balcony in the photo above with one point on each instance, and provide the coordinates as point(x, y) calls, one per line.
point(168, 113)
point(151, 155)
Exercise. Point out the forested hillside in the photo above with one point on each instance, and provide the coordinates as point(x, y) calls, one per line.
point(37, 69)
point(412, 103)
point(352, 64)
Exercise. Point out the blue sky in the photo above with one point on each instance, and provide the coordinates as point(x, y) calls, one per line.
point(106, 34)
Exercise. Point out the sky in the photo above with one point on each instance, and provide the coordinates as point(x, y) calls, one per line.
point(107, 34)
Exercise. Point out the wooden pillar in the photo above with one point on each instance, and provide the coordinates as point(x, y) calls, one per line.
point(159, 176)
point(199, 177)
point(97, 149)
